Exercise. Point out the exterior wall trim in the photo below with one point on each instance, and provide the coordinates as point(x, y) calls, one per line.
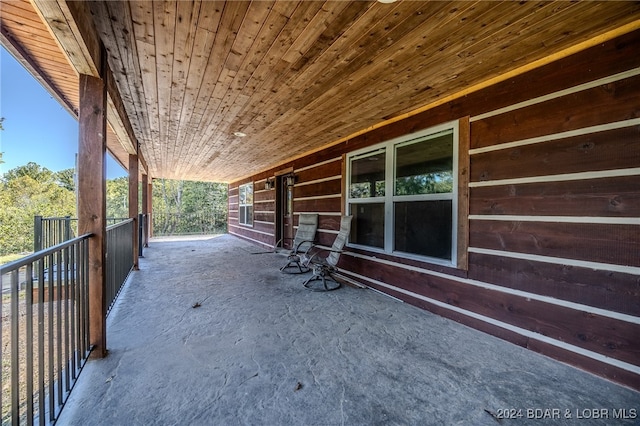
point(634, 270)
point(559, 177)
point(560, 219)
point(571, 90)
point(557, 136)
point(507, 290)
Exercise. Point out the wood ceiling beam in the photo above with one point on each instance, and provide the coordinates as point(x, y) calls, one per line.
point(71, 24)
point(72, 27)
point(121, 124)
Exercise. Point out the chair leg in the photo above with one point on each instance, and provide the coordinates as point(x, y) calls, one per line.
point(293, 264)
point(322, 277)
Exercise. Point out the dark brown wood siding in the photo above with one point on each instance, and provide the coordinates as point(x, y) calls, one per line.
point(554, 212)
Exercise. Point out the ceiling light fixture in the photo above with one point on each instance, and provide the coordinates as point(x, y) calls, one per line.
point(386, 1)
point(239, 134)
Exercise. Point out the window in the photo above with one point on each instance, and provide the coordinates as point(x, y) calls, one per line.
point(245, 204)
point(403, 195)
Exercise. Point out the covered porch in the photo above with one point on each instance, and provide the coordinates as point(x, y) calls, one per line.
point(261, 349)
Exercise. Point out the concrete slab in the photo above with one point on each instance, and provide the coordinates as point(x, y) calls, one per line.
point(207, 333)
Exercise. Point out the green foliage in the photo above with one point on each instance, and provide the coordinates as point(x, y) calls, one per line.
point(25, 192)
point(428, 183)
point(66, 179)
point(118, 197)
point(32, 190)
point(185, 207)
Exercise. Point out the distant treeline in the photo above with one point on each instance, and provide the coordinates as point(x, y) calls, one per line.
point(32, 190)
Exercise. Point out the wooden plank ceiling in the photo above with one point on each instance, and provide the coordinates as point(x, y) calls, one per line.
point(295, 76)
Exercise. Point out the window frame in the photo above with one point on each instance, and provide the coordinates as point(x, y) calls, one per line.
point(389, 199)
point(243, 220)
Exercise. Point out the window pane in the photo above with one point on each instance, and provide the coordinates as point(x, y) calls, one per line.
point(367, 176)
point(425, 167)
point(424, 228)
point(249, 193)
point(241, 214)
point(249, 217)
point(242, 195)
point(367, 226)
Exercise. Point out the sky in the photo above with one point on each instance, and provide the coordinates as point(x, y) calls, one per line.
point(36, 127)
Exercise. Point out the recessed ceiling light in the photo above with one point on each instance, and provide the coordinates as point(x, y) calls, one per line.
point(239, 134)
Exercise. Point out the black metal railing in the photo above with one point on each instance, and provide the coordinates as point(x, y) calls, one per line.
point(44, 330)
point(49, 231)
point(45, 317)
point(189, 223)
point(143, 230)
point(119, 258)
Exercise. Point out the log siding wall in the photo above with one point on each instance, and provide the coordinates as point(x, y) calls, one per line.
point(553, 216)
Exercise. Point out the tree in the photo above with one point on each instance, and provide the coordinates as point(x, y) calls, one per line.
point(25, 192)
point(118, 198)
point(34, 171)
point(187, 207)
point(66, 179)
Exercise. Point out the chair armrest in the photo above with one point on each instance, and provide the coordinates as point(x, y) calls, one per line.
point(296, 249)
point(312, 252)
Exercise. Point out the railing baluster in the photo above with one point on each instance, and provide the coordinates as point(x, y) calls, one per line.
point(65, 296)
point(41, 370)
point(15, 338)
point(50, 347)
point(73, 261)
point(59, 328)
point(29, 341)
point(82, 332)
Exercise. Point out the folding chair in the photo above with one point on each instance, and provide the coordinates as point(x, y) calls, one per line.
point(324, 260)
point(304, 239)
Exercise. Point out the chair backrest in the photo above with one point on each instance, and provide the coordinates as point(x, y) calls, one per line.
point(307, 227)
point(340, 241)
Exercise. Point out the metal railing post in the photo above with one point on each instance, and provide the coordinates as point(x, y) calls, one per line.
point(141, 233)
point(37, 233)
point(67, 228)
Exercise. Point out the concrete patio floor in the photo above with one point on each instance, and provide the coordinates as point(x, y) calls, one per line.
point(262, 350)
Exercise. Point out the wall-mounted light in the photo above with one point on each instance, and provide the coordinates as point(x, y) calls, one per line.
point(290, 180)
point(269, 183)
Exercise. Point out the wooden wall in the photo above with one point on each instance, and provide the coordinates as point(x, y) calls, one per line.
point(554, 212)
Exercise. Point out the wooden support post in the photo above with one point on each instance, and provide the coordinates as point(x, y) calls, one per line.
point(92, 142)
point(133, 205)
point(145, 209)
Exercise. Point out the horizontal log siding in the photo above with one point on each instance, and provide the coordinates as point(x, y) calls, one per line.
point(601, 243)
point(610, 290)
point(554, 207)
point(605, 197)
point(604, 104)
point(536, 210)
point(584, 153)
point(263, 230)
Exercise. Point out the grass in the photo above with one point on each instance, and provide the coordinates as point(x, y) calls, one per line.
point(11, 257)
